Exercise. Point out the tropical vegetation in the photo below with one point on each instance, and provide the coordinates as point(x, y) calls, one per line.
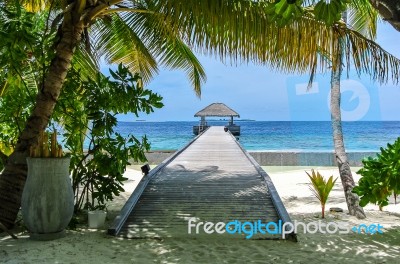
point(87, 113)
point(380, 177)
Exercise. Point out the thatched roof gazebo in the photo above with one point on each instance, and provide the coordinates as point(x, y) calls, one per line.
point(217, 110)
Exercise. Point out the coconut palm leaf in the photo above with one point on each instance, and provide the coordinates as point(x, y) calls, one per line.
point(120, 44)
point(362, 22)
point(86, 62)
point(239, 31)
point(292, 48)
point(166, 45)
point(363, 18)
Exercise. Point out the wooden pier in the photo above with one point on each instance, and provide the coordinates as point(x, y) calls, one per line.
point(212, 179)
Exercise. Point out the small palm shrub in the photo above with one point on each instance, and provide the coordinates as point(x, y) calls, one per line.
point(321, 188)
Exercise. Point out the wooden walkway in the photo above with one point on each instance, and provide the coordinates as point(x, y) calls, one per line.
point(212, 180)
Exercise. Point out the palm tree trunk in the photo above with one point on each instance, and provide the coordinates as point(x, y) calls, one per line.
point(3, 158)
point(346, 177)
point(13, 177)
point(389, 11)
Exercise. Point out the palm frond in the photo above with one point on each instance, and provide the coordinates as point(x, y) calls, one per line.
point(85, 62)
point(176, 55)
point(238, 30)
point(3, 87)
point(363, 18)
point(368, 57)
point(118, 43)
point(241, 31)
point(167, 45)
point(364, 8)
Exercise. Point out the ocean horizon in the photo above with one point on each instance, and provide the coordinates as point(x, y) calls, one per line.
point(302, 136)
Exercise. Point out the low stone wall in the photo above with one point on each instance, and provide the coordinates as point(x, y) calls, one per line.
point(275, 158)
point(306, 158)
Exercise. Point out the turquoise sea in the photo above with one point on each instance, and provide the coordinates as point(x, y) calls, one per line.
point(276, 135)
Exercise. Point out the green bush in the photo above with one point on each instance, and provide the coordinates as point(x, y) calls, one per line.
point(380, 176)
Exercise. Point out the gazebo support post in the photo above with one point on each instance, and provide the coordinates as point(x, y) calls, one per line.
point(203, 121)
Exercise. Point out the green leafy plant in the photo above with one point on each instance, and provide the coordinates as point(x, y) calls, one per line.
point(321, 188)
point(21, 63)
point(330, 11)
point(284, 12)
point(380, 176)
point(87, 112)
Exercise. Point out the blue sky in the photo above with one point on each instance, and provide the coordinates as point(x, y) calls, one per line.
point(257, 92)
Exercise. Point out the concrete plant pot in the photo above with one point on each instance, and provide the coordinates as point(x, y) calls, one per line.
point(96, 219)
point(47, 199)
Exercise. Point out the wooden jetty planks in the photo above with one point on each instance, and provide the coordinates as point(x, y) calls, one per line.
point(211, 179)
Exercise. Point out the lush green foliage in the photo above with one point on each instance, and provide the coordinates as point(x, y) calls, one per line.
point(26, 48)
point(380, 176)
point(330, 11)
point(284, 12)
point(321, 188)
point(87, 111)
point(21, 62)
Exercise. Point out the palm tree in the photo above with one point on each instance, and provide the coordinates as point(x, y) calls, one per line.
point(346, 177)
point(362, 20)
point(142, 33)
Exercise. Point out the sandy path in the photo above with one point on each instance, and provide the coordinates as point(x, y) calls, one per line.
point(92, 246)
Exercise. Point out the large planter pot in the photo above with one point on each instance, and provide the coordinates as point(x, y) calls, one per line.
point(47, 200)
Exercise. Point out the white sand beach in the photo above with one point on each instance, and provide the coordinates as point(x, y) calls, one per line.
point(95, 246)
